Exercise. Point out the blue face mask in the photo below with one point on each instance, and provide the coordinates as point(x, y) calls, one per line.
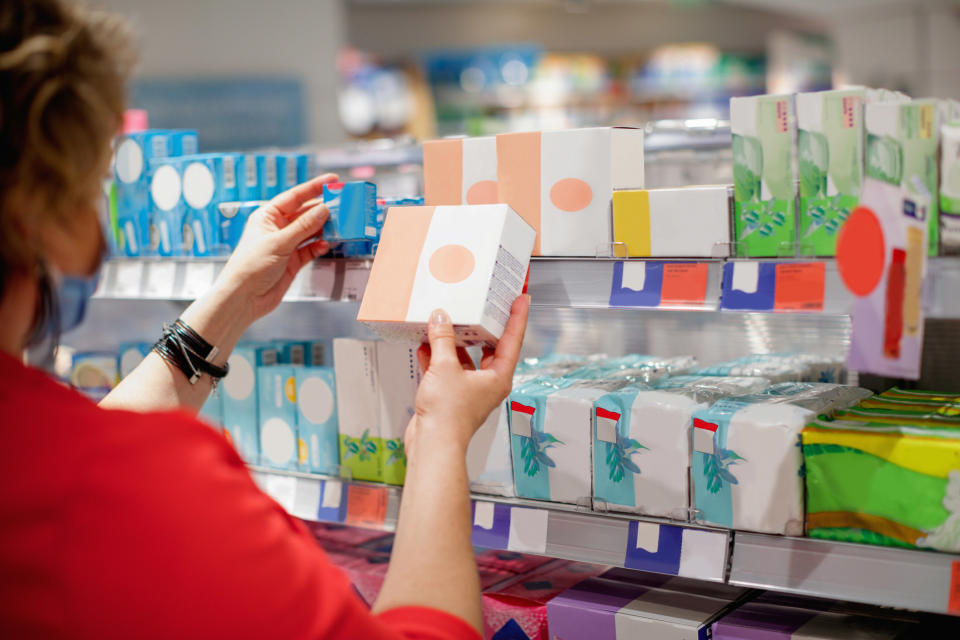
point(71, 295)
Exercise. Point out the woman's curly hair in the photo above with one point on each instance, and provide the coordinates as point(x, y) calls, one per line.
point(63, 71)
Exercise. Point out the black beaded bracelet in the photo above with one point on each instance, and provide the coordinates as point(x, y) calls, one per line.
point(183, 347)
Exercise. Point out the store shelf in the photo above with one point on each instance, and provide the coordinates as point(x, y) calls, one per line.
point(529, 526)
point(578, 283)
point(902, 578)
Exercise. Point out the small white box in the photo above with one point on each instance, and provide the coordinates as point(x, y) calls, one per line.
point(666, 223)
point(398, 376)
point(460, 171)
point(358, 403)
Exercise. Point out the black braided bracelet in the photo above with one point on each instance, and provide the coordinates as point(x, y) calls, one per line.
point(183, 347)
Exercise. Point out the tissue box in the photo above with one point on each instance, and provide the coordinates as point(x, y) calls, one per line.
point(248, 178)
point(460, 171)
point(621, 606)
point(277, 409)
point(830, 158)
point(470, 261)
point(550, 433)
point(763, 130)
point(746, 463)
point(520, 605)
point(763, 620)
point(709, 389)
point(665, 223)
point(353, 211)
point(398, 373)
point(293, 168)
point(318, 446)
point(239, 388)
point(950, 189)
point(882, 483)
point(641, 451)
point(232, 218)
point(562, 183)
point(165, 208)
point(208, 180)
point(902, 143)
point(131, 355)
point(358, 401)
point(268, 166)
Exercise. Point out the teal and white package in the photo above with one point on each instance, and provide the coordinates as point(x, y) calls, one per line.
point(746, 463)
point(550, 427)
point(294, 352)
point(709, 389)
point(248, 178)
point(774, 367)
point(277, 407)
point(268, 166)
point(166, 208)
point(208, 180)
point(318, 443)
point(232, 218)
point(293, 168)
point(239, 390)
point(353, 211)
point(641, 451)
point(763, 129)
point(131, 354)
point(134, 151)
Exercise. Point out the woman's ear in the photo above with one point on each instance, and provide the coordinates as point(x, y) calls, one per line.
point(73, 243)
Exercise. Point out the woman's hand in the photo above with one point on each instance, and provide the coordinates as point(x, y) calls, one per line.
point(269, 254)
point(455, 398)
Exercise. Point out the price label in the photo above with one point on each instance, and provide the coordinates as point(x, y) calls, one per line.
point(160, 277)
point(197, 279)
point(129, 277)
point(366, 506)
point(684, 284)
point(800, 286)
point(953, 604)
point(528, 530)
point(321, 279)
point(355, 280)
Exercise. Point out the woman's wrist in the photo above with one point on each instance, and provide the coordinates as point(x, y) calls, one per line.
point(220, 316)
point(432, 436)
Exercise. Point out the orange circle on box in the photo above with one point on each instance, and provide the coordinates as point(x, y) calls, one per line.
point(483, 192)
point(571, 194)
point(861, 252)
point(452, 263)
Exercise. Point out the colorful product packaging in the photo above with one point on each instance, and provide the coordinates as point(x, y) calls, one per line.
point(293, 168)
point(268, 166)
point(562, 184)
point(353, 211)
point(166, 207)
point(880, 483)
point(763, 129)
point(470, 261)
point(398, 373)
point(460, 171)
point(134, 151)
point(317, 431)
point(239, 389)
point(208, 180)
point(248, 179)
point(94, 373)
point(277, 410)
point(627, 605)
point(746, 463)
point(232, 218)
point(358, 403)
point(665, 223)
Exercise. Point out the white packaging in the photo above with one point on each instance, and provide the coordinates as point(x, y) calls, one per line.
point(358, 404)
point(398, 376)
point(665, 223)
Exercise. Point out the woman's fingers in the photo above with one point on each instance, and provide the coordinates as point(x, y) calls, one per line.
point(291, 200)
point(308, 225)
point(443, 340)
point(465, 360)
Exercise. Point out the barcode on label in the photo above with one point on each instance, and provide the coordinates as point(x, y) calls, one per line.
point(291, 171)
point(160, 147)
point(271, 171)
point(251, 164)
point(229, 173)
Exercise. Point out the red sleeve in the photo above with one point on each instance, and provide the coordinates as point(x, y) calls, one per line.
point(168, 537)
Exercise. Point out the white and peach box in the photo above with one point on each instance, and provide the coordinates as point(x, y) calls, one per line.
point(562, 184)
point(460, 171)
point(469, 260)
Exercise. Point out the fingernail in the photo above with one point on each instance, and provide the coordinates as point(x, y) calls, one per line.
point(439, 316)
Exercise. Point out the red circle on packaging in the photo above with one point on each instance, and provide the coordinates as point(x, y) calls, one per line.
point(861, 251)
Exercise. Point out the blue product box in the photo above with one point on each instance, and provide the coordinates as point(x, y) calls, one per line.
point(277, 395)
point(317, 353)
point(239, 391)
point(212, 409)
point(134, 153)
point(248, 178)
point(294, 352)
point(183, 142)
point(317, 426)
point(131, 354)
point(232, 218)
point(267, 167)
point(353, 211)
point(292, 169)
point(165, 207)
point(208, 180)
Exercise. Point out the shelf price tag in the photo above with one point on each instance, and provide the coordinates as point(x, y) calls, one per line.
point(953, 603)
point(800, 286)
point(684, 284)
point(355, 278)
point(160, 277)
point(773, 286)
point(197, 279)
point(330, 509)
point(366, 506)
point(321, 280)
point(129, 277)
point(653, 547)
point(491, 525)
point(528, 530)
point(655, 284)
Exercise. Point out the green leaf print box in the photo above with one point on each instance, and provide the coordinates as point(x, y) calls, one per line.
point(764, 175)
point(358, 402)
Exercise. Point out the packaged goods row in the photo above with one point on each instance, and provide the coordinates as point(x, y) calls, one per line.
point(539, 599)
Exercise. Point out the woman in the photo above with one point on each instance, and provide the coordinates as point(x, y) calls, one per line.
point(133, 519)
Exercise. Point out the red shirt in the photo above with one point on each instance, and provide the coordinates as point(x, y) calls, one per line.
point(116, 524)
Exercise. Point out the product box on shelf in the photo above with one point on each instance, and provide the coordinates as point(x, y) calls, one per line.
point(662, 223)
point(231, 219)
point(293, 168)
point(550, 427)
point(746, 463)
point(469, 260)
point(830, 141)
point(94, 373)
point(709, 389)
point(248, 178)
point(239, 389)
point(763, 129)
point(398, 375)
point(353, 211)
point(317, 431)
point(131, 355)
point(778, 367)
point(888, 481)
point(166, 207)
point(268, 166)
point(950, 188)
point(519, 606)
point(358, 404)
point(460, 171)
point(621, 605)
point(208, 180)
point(562, 183)
point(277, 409)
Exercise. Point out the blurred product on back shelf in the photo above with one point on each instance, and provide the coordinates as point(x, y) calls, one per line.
point(460, 171)
point(93, 373)
point(277, 416)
